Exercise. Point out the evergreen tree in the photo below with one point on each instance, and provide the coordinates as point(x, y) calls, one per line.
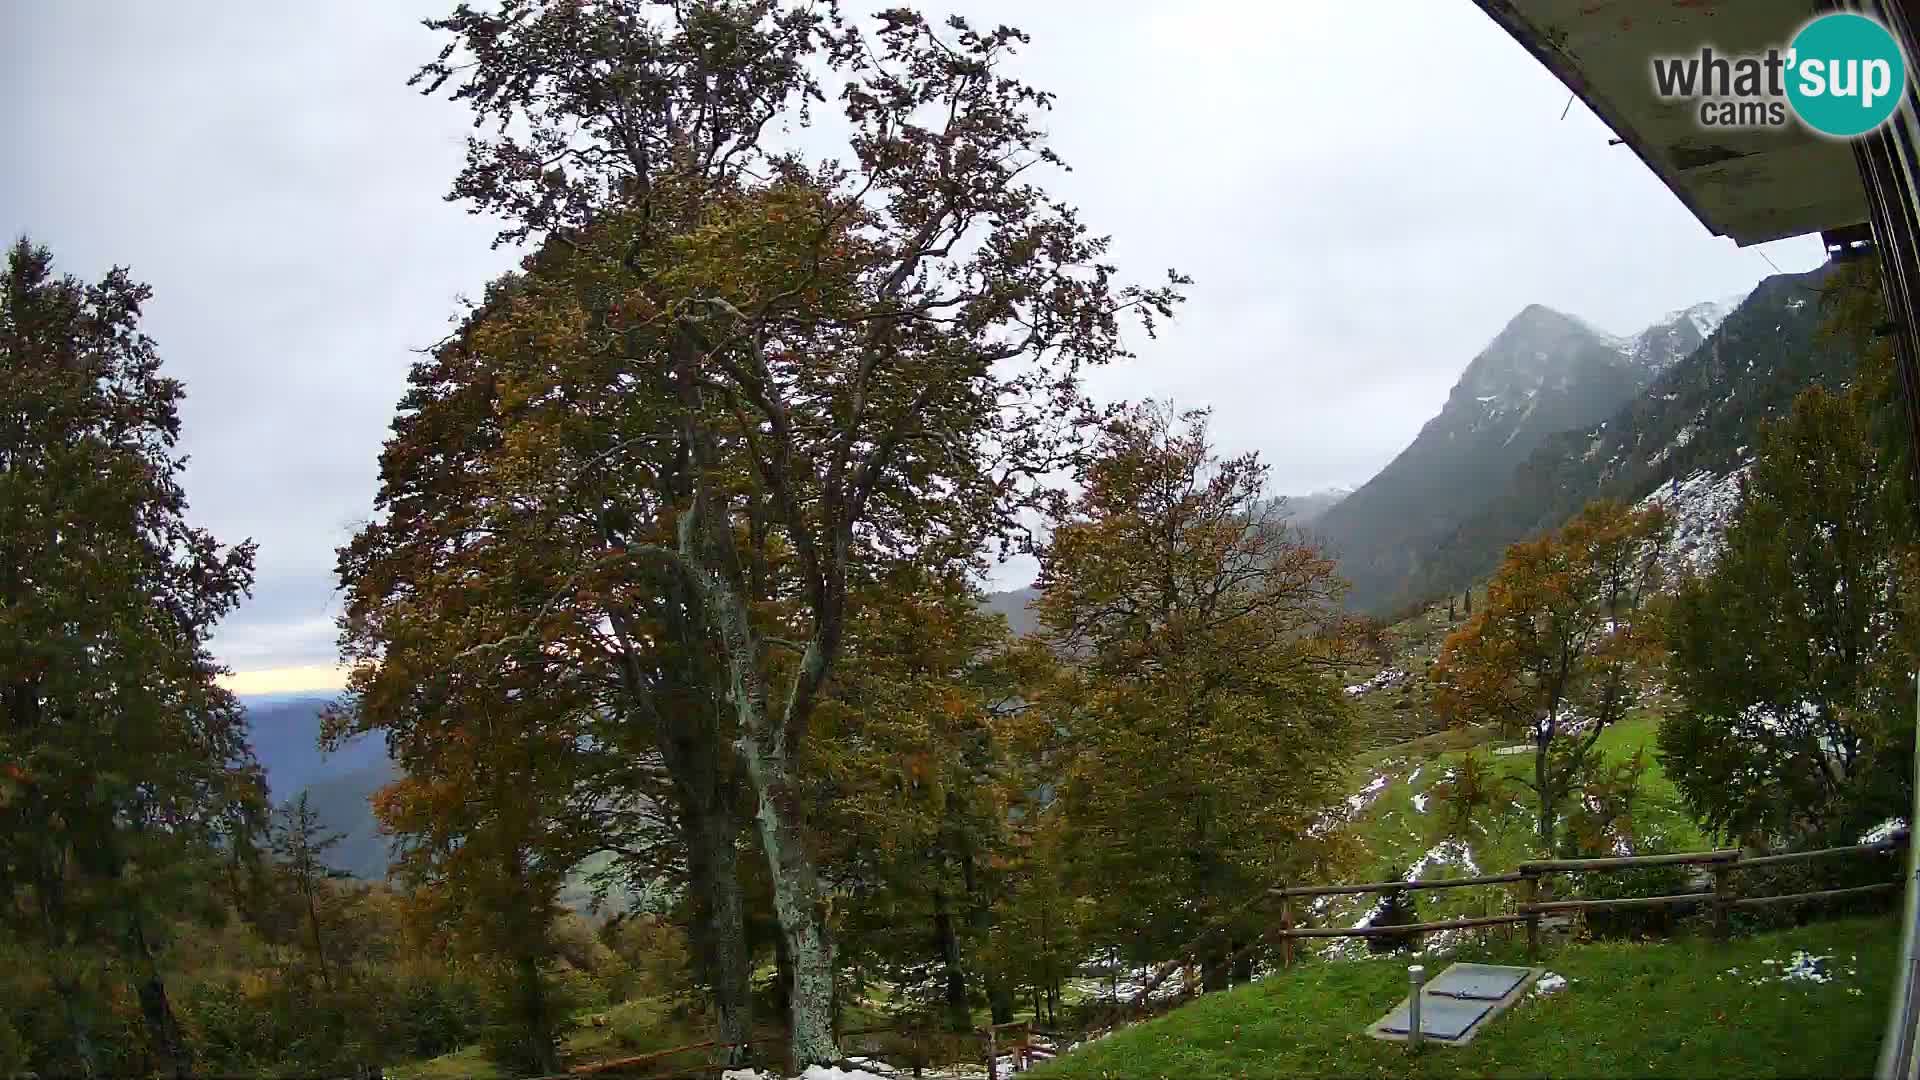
point(300, 846)
point(1793, 655)
point(124, 767)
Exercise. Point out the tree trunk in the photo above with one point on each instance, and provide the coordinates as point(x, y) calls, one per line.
point(796, 900)
point(1214, 971)
point(980, 914)
point(714, 880)
point(319, 951)
point(1000, 1000)
point(726, 934)
point(698, 762)
point(151, 989)
point(543, 1054)
point(77, 1028)
point(1544, 789)
point(959, 1017)
point(709, 554)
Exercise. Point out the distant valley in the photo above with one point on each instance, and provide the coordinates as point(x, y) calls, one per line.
point(339, 785)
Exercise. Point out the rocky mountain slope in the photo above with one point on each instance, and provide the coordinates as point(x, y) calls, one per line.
point(1546, 372)
point(1682, 438)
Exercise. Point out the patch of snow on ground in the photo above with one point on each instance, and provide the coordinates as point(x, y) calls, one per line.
point(813, 1073)
point(1416, 775)
point(1420, 806)
point(1547, 984)
point(1357, 803)
point(1802, 966)
point(1883, 831)
point(1388, 677)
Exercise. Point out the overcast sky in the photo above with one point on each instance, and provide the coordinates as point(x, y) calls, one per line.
point(1364, 193)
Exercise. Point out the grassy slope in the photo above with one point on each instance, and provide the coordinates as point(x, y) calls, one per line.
point(635, 1027)
point(1395, 834)
point(1673, 1009)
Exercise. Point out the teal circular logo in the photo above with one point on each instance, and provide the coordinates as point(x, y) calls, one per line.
point(1845, 75)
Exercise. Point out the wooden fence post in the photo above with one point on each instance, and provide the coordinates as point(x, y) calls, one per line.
point(1286, 931)
point(1722, 899)
point(993, 1054)
point(919, 1053)
point(1530, 895)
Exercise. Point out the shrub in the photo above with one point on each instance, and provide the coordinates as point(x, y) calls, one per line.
point(1398, 909)
point(1642, 881)
point(504, 1034)
point(434, 1013)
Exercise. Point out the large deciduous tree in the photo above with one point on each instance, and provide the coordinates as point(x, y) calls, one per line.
point(1207, 729)
point(1564, 645)
point(123, 764)
point(858, 360)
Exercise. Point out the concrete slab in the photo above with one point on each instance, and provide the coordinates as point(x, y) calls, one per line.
point(1440, 1017)
point(1440, 1014)
point(1478, 982)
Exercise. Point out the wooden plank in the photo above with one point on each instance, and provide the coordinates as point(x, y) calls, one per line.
point(1393, 886)
point(1630, 862)
point(1857, 890)
point(1722, 894)
point(592, 1067)
point(1893, 843)
point(1529, 894)
point(1410, 928)
point(1286, 924)
point(1546, 906)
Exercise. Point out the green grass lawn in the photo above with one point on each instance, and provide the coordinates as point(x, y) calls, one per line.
point(1400, 828)
point(1690, 1007)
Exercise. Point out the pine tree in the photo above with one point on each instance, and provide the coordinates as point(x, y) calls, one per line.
point(300, 845)
point(1792, 655)
point(124, 767)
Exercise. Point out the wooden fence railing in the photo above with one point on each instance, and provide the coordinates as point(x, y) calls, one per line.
point(1723, 863)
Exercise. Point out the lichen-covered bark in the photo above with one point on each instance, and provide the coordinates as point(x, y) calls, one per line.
point(778, 817)
point(798, 903)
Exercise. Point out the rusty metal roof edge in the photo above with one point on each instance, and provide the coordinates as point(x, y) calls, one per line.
point(1517, 26)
